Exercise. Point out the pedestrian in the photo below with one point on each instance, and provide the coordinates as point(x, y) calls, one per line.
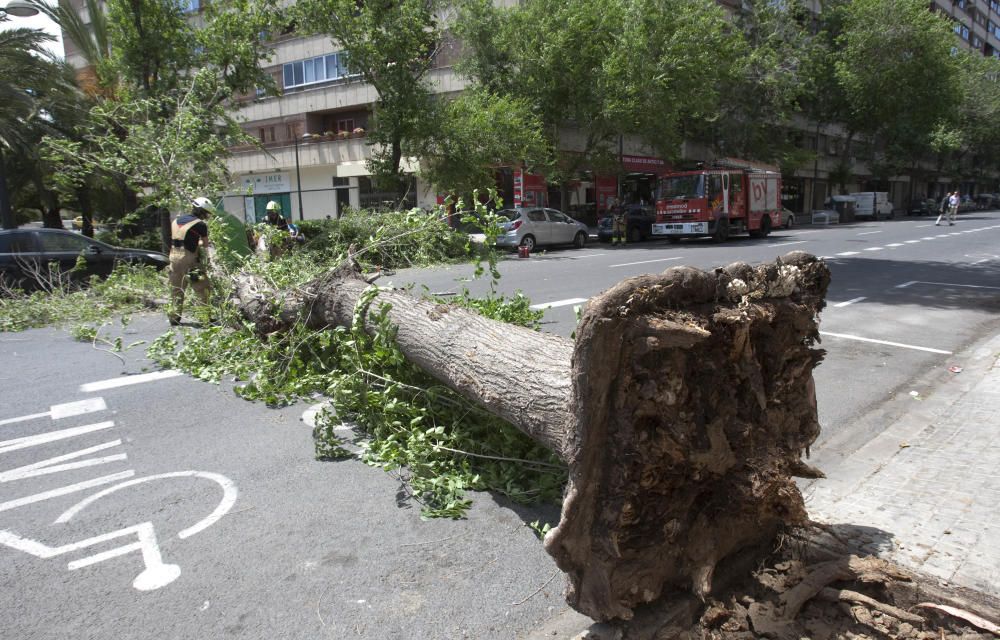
point(953, 203)
point(619, 226)
point(943, 210)
point(189, 240)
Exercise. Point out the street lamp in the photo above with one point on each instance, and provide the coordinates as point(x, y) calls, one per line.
point(298, 175)
point(18, 9)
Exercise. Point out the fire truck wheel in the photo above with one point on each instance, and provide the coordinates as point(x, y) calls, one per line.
point(634, 235)
point(721, 230)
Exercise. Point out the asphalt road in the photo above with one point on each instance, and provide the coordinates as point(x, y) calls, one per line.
point(169, 508)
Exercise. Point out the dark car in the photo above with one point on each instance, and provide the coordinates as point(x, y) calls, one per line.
point(26, 253)
point(639, 221)
point(924, 207)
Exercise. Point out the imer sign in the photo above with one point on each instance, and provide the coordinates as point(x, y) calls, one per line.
point(266, 183)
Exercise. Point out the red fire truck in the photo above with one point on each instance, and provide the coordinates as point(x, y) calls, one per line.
point(731, 196)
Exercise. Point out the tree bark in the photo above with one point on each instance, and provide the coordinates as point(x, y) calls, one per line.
point(682, 409)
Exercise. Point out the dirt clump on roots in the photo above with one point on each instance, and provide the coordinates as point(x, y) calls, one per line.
point(818, 585)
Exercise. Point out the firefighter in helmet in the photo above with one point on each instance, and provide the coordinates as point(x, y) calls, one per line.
point(618, 225)
point(189, 238)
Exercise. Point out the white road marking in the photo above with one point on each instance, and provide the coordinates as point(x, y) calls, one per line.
point(911, 241)
point(895, 244)
point(65, 410)
point(629, 264)
point(868, 233)
point(62, 491)
point(874, 248)
point(846, 336)
point(45, 467)
point(557, 303)
point(849, 302)
point(229, 495)
point(785, 244)
point(982, 261)
point(927, 238)
point(939, 284)
point(124, 381)
point(156, 574)
point(848, 253)
point(919, 226)
point(42, 438)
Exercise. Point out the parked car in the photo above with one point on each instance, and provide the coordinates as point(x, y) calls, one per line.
point(535, 226)
point(872, 204)
point(966, 204)
point(639, 221)
point(26, 253)
point(787, 218)
point(924, 207)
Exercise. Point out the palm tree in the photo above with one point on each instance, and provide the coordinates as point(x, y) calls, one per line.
point(91, 40)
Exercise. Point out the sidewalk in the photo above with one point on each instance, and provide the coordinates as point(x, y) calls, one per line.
point(929, 483)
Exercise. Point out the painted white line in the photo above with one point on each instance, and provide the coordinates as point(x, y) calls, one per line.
point(868, 233)
point(124, 381)
point(629, 264)
point(786, 244)
point(982, 261)
point(874, 248)
point(229, 495)
point(45, 467)
point(589, 255)
point(65, 410)
point(61, 491)
point(946, 284)
point(848, 253)
point(919, 226)
point(849, 302)
point(846, 336)
point(557, 303)
point(895, 244)
point(927, 238)
point(79, 408)
point(906, 284)
point(42, 438)
point(911, 241)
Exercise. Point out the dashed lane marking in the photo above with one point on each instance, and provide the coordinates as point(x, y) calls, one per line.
point(895, 244)
point(874, 248)
point(848, 253)
point(125, 381)
point(846, 336)
point(868, 233)
point(850, 302)
point(945, 284)
point(557, 303)
point(629, 264)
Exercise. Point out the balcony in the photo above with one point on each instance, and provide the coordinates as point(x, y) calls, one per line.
point(314, 150)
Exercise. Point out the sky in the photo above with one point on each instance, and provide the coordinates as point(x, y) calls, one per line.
point(37, 22)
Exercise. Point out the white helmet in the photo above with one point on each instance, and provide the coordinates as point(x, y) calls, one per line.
point(273, 206)
point(203, 203)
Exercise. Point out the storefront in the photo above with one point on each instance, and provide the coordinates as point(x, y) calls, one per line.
point(260, 190)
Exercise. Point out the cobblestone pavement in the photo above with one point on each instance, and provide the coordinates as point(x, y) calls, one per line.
point(927, 488)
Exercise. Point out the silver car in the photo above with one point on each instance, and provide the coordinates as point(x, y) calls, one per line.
point(535, 226)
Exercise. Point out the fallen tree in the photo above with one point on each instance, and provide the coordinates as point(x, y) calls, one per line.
point(682, 409)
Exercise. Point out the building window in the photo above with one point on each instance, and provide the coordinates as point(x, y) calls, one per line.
point(314, 70)
point(962, 31)
point(345, 125)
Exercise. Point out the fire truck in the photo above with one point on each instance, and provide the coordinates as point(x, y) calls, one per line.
point(729, 197)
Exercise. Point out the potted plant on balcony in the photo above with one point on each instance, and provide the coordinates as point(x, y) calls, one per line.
point(358, 132)
point(343, 134)
point(329, 135)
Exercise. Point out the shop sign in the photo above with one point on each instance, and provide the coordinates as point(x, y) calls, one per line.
point(267, 183)
point(643, 164)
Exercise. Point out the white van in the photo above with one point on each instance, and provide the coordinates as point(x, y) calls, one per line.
point(872, 204)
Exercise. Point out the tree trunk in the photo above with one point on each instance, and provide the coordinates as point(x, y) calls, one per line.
point(682, 409)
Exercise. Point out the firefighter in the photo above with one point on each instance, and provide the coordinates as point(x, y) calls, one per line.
point(189, 238)
point(618, 226)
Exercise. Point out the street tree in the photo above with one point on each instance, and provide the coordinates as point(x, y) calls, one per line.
point(158, 124)
point(893, 61)
point(392, 47)
point(594, 71)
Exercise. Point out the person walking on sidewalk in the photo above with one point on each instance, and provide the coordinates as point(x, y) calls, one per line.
point(953, 202)
point(189, 238)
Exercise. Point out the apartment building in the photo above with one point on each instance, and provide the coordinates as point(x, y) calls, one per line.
point(312, 154)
